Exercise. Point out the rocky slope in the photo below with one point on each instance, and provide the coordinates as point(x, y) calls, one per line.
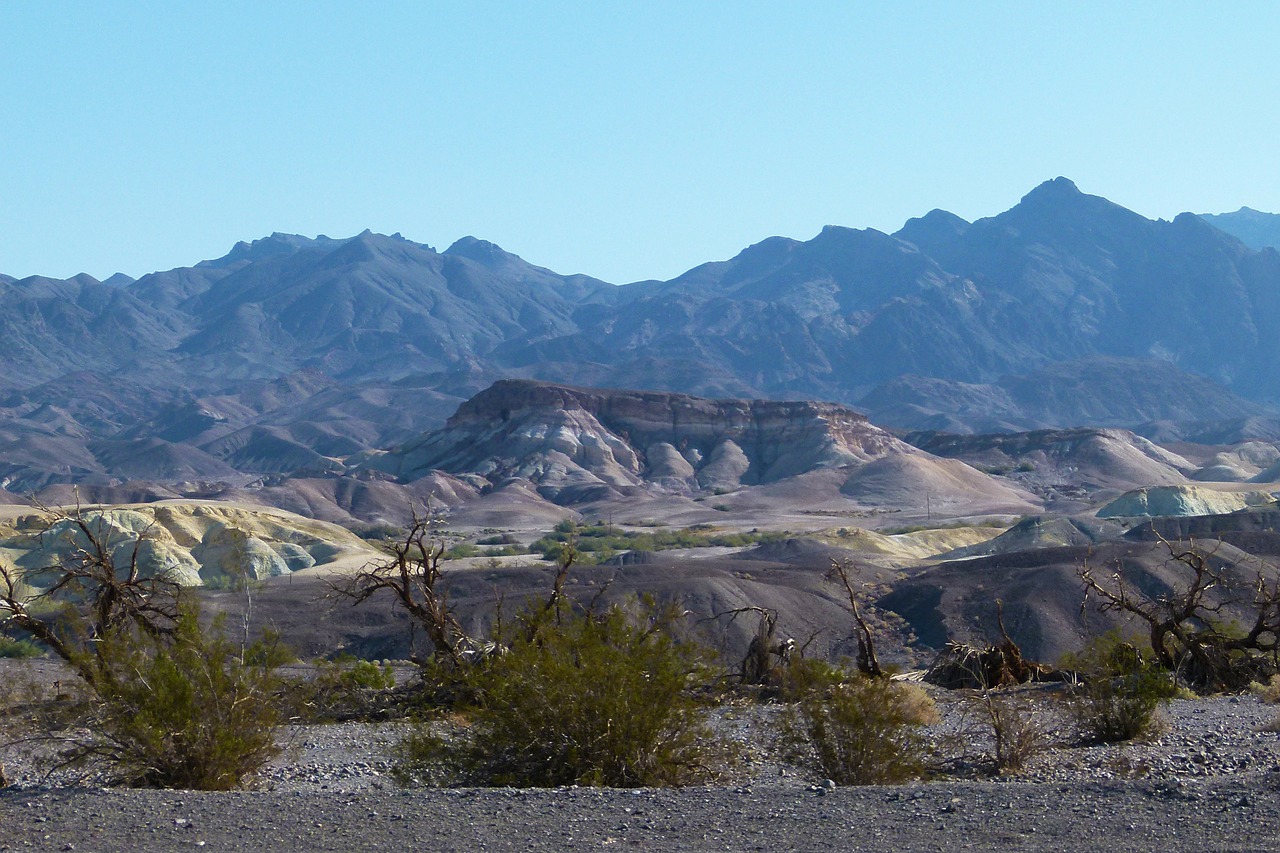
point(1177, 501)
point(193, 543)
point(576, 444)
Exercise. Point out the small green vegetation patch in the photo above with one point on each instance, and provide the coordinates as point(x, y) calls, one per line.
point(599, 542)
point(15, 648)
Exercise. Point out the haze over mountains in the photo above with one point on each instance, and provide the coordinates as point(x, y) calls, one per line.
point(290, 354)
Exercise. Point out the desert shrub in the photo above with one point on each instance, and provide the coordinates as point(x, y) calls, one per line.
point(865, 731)
point(461, 551)
point(605, 540)
point(1017, 735)
point(375, 531)
point(191, 710)
point(1122, 691)
point(499, 539)
point(583, 700)
point(15, 648)
point(805, 677)
point(343, 688)
point(1269, 693)
point(367, 675)
point(1123, 707)
point(164, 702)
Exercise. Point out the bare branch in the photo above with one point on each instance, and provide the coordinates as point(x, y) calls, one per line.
point(412, 573)
point(1185, 634)
point(868, 663)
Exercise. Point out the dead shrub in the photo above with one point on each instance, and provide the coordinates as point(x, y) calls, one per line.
point(1016, 730)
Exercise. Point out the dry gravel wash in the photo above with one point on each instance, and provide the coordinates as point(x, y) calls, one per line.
point(1236, 814)
point(1210, 782)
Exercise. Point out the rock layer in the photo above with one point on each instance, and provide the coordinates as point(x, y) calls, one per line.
point(566, 440)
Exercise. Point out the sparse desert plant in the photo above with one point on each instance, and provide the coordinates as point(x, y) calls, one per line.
point(1017, 733)
point(166, 702)
point(598, 699)
point(805, 677)
point(1269, 693)
point(864, 731)
point(90, 588)
point(1122, 691)
point(343, 688)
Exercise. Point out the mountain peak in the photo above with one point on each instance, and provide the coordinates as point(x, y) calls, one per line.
point(481, 251)
point(934, 228)
point(278, 243)
point(1257, 229)
point(1058, 188)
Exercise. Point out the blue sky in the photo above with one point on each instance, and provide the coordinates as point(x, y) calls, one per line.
point(623, 140)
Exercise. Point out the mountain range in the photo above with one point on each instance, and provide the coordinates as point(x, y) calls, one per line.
point(290, 354)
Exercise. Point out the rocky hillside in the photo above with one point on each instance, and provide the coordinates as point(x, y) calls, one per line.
point(577, 444)
point(194, 543)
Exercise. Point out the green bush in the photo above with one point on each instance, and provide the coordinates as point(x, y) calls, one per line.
point(804, 678)
point(865, 731)
point(596, 700)
point(14, 648)
point(499, 539)
point(1122, 691)
point(1123, 707)
point(461, 551)
point(343, 688)
point(192, 711)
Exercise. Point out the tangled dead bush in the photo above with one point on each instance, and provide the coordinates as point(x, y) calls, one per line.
point(1017, 733)
point(1187, 633)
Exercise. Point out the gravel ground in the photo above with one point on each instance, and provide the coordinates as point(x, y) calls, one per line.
point(1238, 814)
point(1211, 781)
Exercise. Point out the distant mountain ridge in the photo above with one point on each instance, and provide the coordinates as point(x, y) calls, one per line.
point(289, 353)
point(1255, 229)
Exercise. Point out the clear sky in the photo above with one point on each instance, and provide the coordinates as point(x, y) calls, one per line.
point(624, 140)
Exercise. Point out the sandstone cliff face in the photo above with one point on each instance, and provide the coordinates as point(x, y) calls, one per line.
point(567, 439)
